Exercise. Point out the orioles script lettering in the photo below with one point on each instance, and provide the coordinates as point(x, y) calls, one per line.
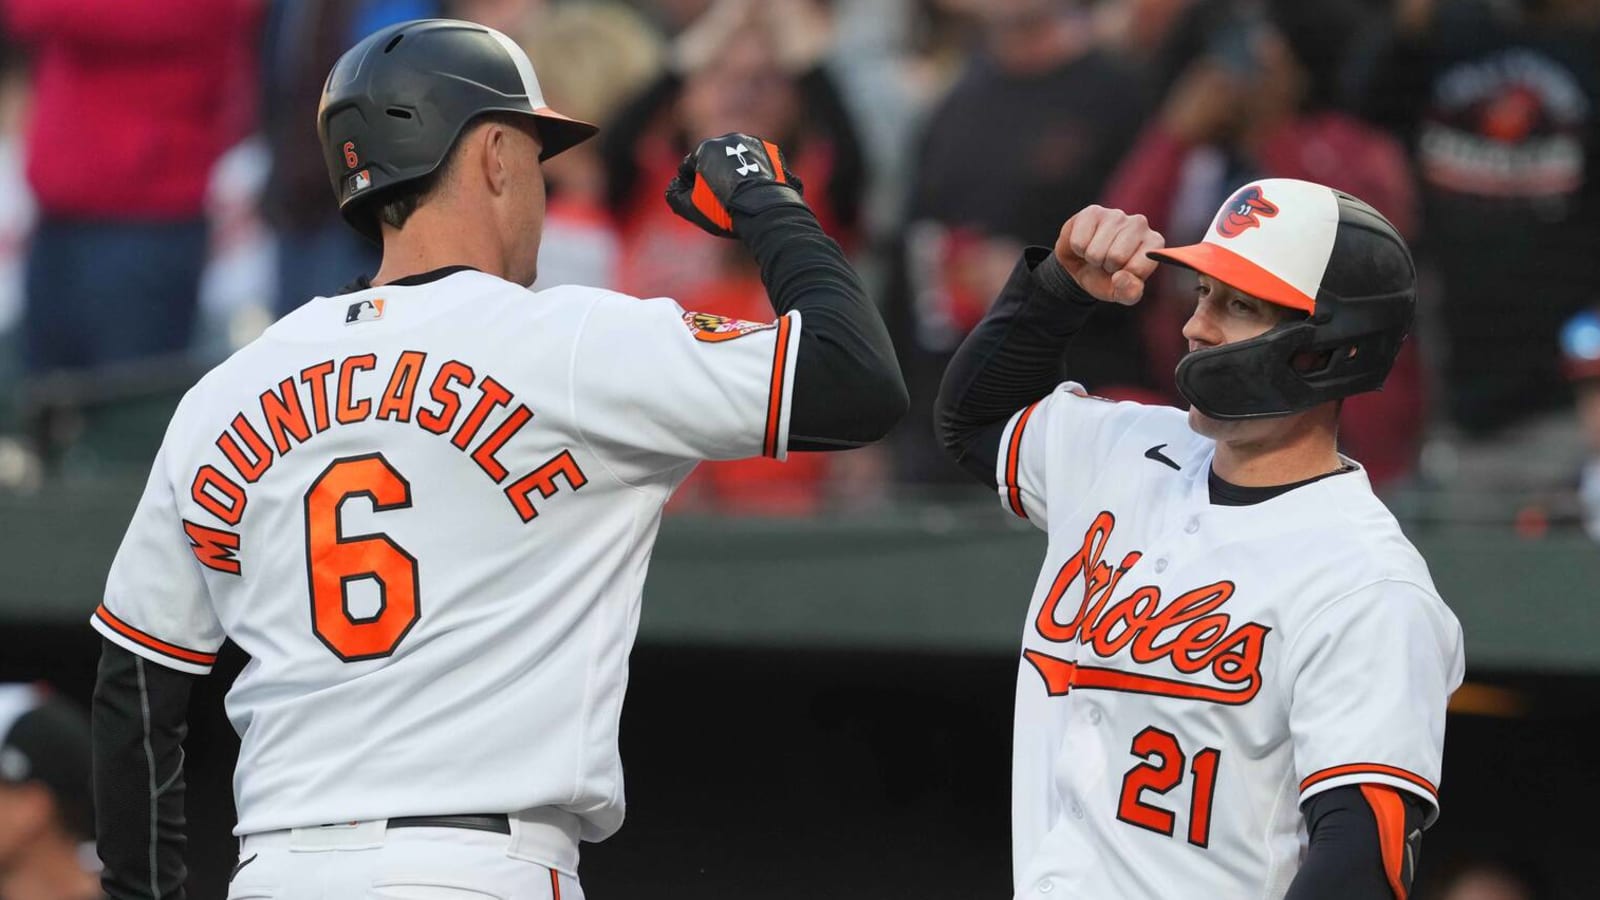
point(1189, 634)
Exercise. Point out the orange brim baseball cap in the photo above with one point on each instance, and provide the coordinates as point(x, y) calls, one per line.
point(1271, 240)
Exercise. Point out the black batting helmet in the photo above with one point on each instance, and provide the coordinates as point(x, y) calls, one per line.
point(395, 104)
point(1313, 249)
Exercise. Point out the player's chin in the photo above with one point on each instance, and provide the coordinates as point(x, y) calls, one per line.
point(1205, 426)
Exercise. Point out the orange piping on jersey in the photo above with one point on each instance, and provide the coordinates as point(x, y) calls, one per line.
point(1390, 811)
point(1014, 463)
point(777, 162)
point(154, 643)
point(1316, 778)
point(780, 359)
point(555, 885)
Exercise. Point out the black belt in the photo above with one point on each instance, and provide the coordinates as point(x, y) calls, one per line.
point(499, 823)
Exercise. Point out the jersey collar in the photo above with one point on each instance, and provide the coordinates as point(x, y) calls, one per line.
point(364, 282)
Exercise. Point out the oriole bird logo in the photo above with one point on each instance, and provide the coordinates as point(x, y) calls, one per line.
point(1244, 211)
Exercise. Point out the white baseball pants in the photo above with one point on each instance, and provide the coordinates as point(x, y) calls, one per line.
point(368, 861)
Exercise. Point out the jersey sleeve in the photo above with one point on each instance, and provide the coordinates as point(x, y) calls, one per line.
point(156, 603)
point(1371, 675)
point(1055, 448)
point(662, 385)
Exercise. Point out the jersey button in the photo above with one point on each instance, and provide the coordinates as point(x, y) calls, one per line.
point(1046, 886)
point(1094, 716)
point(1193, 526)
point(1161, 566)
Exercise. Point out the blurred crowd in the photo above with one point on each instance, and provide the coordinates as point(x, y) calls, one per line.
point(162, 196)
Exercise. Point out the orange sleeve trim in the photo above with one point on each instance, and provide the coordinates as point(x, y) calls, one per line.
point(777, 162)
point(780, 365)
point(153, 643)
point(1014, 463)
point(1390, 811)
point(1316, 778)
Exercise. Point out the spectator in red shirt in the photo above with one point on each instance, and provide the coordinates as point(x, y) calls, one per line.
point(756, 68)
point(1259, 102)
point(133, 103)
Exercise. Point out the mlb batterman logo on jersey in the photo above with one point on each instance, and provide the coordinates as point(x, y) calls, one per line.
point(364, 311)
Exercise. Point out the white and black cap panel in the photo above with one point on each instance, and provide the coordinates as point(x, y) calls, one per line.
point(524, 65)
point(1272, 239)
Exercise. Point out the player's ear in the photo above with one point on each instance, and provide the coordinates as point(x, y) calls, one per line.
point(485, 156)
point(492, 144)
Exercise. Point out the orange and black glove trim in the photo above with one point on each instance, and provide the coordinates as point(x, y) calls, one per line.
point(728, 176)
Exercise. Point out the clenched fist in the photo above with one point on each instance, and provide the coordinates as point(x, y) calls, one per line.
point(1105, 251)
point(732, 173)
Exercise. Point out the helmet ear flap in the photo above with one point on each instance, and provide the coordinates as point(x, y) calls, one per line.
point(1250, 379)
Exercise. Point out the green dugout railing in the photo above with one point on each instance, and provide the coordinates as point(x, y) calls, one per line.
point(931, 577)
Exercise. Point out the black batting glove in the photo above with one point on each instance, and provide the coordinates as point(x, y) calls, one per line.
point(736, 174)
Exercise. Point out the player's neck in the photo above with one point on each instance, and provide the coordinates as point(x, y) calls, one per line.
point(1300, 449)
point(431, 241)
point(49, 870)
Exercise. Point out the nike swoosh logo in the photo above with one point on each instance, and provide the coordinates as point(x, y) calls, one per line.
point(1156, 454)
point(241, 865)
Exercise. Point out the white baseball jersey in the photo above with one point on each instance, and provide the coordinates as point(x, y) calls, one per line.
point(1192, 672)
point(425, 512)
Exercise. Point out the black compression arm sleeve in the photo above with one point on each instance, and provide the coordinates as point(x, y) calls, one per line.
point(1345, 859)
point(140, 717)
point(1010, 360)
point(847, 385)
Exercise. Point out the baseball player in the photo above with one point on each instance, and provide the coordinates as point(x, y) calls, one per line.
point(46, 816)
point(424, 508)
point(1235, 668)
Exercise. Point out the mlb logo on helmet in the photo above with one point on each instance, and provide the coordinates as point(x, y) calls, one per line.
point(363, 311)
point(360, 181)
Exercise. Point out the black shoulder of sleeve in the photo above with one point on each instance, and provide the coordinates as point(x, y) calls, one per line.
point(1360, 848)
point(1010, 360)
point(140, 718)
point(848, 390)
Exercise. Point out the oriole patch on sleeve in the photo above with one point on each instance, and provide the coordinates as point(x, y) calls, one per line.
point(715, 329)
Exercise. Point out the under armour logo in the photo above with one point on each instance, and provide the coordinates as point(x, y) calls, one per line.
point(745, 166)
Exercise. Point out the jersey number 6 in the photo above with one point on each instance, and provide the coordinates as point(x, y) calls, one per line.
point(1161, 771)
point(334, 560)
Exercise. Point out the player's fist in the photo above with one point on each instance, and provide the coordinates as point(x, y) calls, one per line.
point(1106, 252)
point(732, 173)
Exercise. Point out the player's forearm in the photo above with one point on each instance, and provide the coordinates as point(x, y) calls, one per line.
point(1010, 360)
point(1345, 857)
point(848, 390)
point(140, 719)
